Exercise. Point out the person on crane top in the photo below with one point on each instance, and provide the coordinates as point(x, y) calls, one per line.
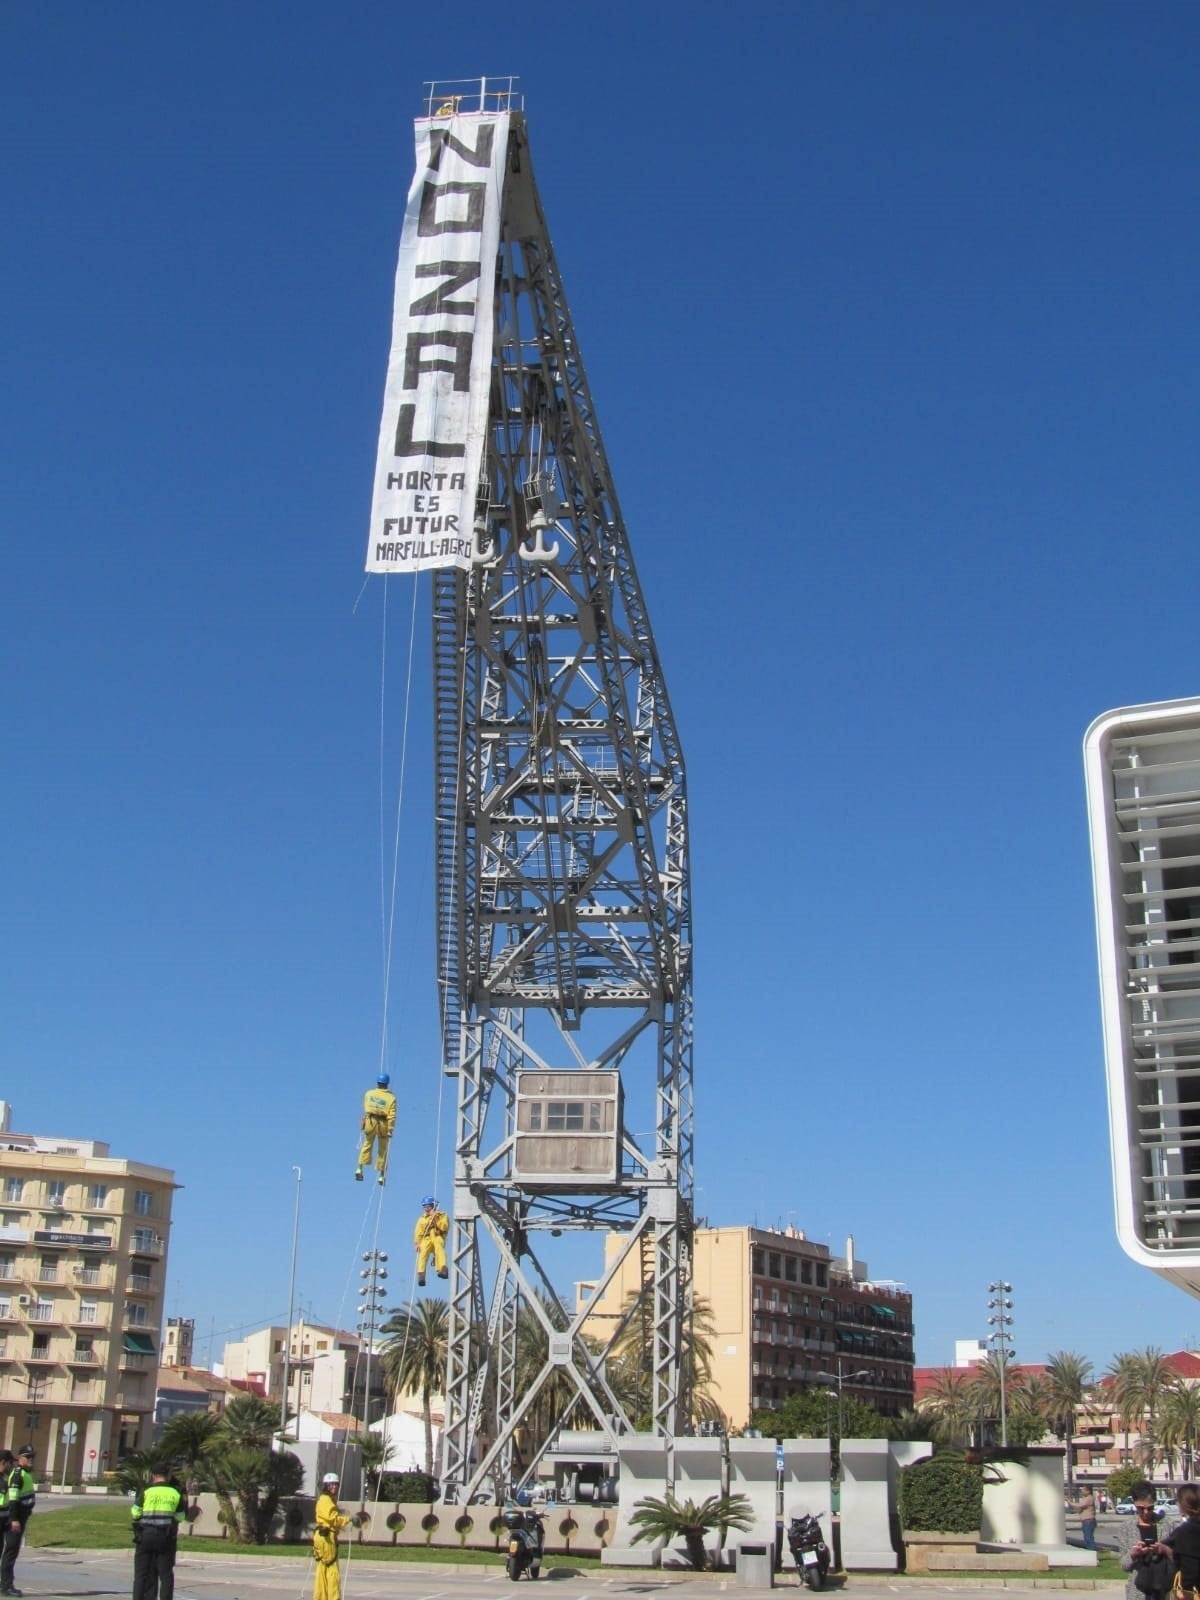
point(157, 1513)
point(429, 1236)
point(327, 1585)
point(378, 1126)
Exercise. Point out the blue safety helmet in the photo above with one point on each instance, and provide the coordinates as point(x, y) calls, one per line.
point(383, 1080)
point(429, 1200)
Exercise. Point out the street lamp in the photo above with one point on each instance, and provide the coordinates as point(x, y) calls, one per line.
point(839, 1377)
point(999, 1339)
point(287, 1343)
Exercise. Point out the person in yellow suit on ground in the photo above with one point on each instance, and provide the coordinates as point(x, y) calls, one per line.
point(378, 1126)
point(429, 1236)
point(327, 1585)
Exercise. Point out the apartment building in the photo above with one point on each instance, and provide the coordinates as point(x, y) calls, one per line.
point(83, 1260)
point(327, 1368)
point(786, 1316)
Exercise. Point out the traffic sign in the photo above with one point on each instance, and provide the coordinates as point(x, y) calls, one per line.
point(69, 1430)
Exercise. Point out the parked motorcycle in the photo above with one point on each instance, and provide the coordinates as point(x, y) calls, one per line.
point(809, 1550)
point(526, 1540)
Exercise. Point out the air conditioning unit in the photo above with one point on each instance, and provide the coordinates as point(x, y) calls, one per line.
point(24, 1299)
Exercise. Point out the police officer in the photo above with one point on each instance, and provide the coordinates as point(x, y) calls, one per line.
point(20, 1497)
point(156, 1520)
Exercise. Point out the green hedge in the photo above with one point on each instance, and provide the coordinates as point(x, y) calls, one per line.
point(943, 1494)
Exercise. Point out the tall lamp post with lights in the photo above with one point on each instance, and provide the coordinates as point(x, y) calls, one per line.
point(1000, 1322)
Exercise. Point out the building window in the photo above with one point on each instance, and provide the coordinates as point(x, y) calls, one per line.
point(143, 1202)
point(87, 1311)
point(136, 1315)
point(143, 1239)
point(98, 1196)
point(56, 1191)
point(8, 1265)
point(14, 1188)
point(806, 1272)
point(43, 1310)
point(822, 1274)
point(41, 1345)
point(5, 1307)
point(758, 1262)
point(773, 1265)
point(48, 1270)
point(789, 1268)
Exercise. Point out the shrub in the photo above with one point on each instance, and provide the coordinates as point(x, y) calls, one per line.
point(567, 1527)
point(396, 1523)
point(410, 1488)
point(942, 1494)
point(430, 1525)
point(462, 1527)
point(1121, 1481)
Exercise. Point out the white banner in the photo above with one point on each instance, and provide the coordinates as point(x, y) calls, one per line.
point(435, 406)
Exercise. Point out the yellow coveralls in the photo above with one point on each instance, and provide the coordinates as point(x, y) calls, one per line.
point(429, 1236)
point(327, 1585)
point(378, 1126)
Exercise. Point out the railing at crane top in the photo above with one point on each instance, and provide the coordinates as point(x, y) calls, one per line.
point(445, 97)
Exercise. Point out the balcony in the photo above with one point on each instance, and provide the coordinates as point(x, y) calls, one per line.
point(146, 1244)
point(90, 1277)
point(140, 1283)
point(83, 1358)
point(46, 1314)
point(42, 1356)
point(48, 1275)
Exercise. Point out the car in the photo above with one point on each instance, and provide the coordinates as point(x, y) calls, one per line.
point(1125, 1508)
point(1164, 1505)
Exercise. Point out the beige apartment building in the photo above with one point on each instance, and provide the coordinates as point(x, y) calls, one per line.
point(83, 1260)
point(327, 1368)
point(787, 1316)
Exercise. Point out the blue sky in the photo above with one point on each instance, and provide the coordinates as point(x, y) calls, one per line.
point(889, 315)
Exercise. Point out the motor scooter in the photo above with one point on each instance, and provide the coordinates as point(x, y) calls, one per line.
point(526, 1540)
point(809, 1550)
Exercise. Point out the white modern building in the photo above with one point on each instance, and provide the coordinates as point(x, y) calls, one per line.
point(1143, 785)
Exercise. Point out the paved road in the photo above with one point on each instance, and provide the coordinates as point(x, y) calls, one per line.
point(98, 1574)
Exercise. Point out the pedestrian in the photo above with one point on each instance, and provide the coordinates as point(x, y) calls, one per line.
point(1149, 1563)
point(1184, 1539)
point(327, 1585)
point(156, 1515)
point(1086, 1507)
point(20, 1497)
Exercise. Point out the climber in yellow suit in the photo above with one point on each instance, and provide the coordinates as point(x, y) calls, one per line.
point(327, 1584)
point(429, 1236)
point(378, 1126)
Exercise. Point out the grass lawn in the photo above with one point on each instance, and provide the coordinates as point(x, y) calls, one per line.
point(1106, 1570)
point(107, 1527)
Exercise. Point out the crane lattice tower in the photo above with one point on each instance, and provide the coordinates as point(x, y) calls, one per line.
point(563, 893)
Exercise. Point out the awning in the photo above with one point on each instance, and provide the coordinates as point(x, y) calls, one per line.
point(885, 1311)
point(138, 1343)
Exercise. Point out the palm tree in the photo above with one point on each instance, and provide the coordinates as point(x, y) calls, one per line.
point(1179, 1423)
point(631, 1357)
point(952, 1404)
point(414, 1357)
point(1140, 1378)
point(987, 1380)
point(668, 1518)
point(1068, 1379)
point(185, 1440)
point(249, 1476)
